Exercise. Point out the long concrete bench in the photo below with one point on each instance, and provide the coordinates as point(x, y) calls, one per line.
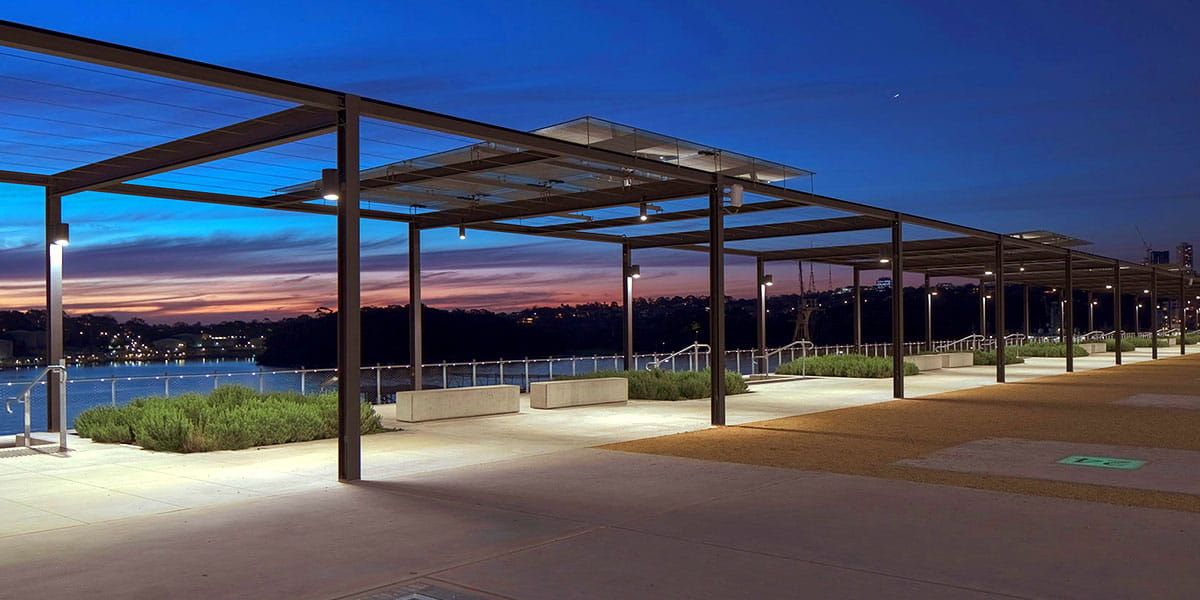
point(925, 362)
point(452, 403)
point(578, 392)
point(1094, 347)
point(952, 360)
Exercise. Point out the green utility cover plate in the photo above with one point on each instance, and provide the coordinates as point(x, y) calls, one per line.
point(1103, 462)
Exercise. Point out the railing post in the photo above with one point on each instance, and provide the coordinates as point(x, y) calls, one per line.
point(302, 392)
point(526, 373)
point(444, 380)
point(378, 385)
point(474, 373)
point(113, 391)
point(501, 371)
point(550, 368)
point(166, 386)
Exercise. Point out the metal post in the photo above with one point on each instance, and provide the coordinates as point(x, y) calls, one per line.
point(761, 313)
point(627, 306)
point(445, 379)
point(378, 385)
point(1153, 313)
point(998, 305)
point(302, 378)
point(1025, 309)
point(928, 315)
point(1117, 311)
point(1091, 312)
point(349, 322)
point(54, 310)
point(857, 311)
point(415, 318)
point(716, 301)
point(474, 374)
point(113, 391)
point(167, 386)
point(897, 308)
point(1069, 312)
point(982, 308)
point(1182, 319)
point(526, 373)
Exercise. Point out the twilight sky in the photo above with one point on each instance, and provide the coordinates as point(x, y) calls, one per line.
point(1079, 117)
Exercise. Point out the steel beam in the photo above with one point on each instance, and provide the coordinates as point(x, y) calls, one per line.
point(549, 205)
point(1069, 312)
point(349, 321)
point(662, 217)
point(20, 178)
point(757, 232)
point(263, 132)
point(716, 301)
point(998, 305)
point(55, 420)
point(627, 307)
point(416, 318)
point(44, 41)
point(897, 308)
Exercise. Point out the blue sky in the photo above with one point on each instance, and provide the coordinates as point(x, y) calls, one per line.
point(1078, 117)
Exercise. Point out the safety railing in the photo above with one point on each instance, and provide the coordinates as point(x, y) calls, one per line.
point(25, 398)
point(693, 351)
point(971, 342)
point(804, 346)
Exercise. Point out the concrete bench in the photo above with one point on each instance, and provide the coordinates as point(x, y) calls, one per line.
point(452, 403)
point(1094, 347)
point(951, 360)
point(925, 362)
point(578, 392)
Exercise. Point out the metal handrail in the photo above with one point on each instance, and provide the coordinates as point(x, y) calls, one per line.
point(695, 347)
point(1095, 335)
point(25, 397)
point(804, 346)
point(973, 340)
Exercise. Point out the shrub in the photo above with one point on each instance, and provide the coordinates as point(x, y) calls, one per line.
point(1127, 345)
point(1144, 342)
point(671, 385)
point(229, 418)
point(1189, 338)
point(844, 365)
point(988, 357)
point(1047, 349)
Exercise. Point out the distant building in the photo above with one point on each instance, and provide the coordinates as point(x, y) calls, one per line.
point(169, 344)
point(1186, 258)
point(6, 349)
point(883, 283)
point(27, 343)
point(1158, 257)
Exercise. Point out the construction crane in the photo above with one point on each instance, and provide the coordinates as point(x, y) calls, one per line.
point(1145, 245)
point(805, 306)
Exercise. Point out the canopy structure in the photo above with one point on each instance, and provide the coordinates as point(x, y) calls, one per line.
point(586, 179)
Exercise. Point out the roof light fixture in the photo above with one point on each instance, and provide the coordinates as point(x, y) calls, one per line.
point(329, 184)
point(643, 212)
point(60, 234)
point(768, 280)
point(634, 272)
point(462, 232)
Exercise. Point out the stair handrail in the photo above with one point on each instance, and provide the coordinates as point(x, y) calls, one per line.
point(696, 347)
point(972, 341)
point(25, 397)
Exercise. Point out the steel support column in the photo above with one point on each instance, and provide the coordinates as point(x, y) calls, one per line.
point(54, 311)
point(928, 315)
point(761, 314)
point(1068, 328)
point(897, 308)
point(716, 301)
point(983, 308)
point(858, 300)
point(1182, 318)
point(349, 338)
point(999, 307)
point(1091, 312)
point(1025, 309)
point(416, 316)
point(1153, 313)
point(1117, 298)
point(627, 306)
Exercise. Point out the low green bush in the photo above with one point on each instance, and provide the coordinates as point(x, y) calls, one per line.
point(1189, 338)
point(844, 365)
point(1145, 342)
point(988, 357)
point(1126, 345)
point(229, 418)
point(1047, 349)
point(671, 385)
